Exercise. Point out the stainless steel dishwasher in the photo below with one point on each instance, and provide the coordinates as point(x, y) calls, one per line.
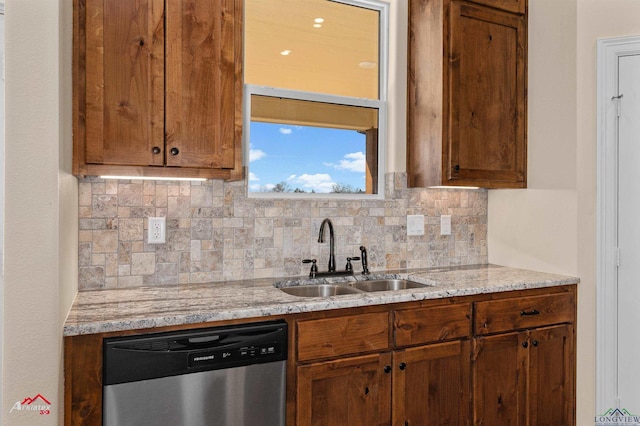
point(223, 376)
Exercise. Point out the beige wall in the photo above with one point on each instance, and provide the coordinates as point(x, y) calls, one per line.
point(536, 228)
point(397, 86)
point(551, 225)
point(41, 217)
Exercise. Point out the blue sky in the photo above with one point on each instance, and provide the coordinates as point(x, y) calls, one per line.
point(309, 158)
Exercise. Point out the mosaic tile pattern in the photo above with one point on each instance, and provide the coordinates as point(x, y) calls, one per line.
point(216, 233)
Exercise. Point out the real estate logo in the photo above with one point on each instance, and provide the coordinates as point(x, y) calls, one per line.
point(38, 404)
point(617, 416)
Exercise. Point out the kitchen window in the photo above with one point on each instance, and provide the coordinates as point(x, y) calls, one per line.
point(315, 97)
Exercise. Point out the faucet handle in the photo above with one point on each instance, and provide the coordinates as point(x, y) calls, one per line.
point(349, 267)
point(363, 254)
point(314, 267)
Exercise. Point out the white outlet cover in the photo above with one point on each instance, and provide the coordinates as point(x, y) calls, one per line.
point(415, 224)
point(157, 233)
point(445, 224)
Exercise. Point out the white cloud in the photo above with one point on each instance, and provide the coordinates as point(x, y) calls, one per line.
point(256, 154)
point(285, 131)
point(319, 182)
point(253, 177)
point(353, 162)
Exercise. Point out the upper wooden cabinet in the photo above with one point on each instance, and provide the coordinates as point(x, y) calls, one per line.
point(158, 88)
point(467, 97)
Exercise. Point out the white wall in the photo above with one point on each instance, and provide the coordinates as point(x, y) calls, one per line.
point(551, 225)
point(40, 205)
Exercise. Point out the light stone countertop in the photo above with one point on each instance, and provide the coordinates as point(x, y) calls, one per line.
point(104, 311)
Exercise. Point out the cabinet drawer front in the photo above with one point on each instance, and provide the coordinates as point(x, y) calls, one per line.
point(434, 324)
point(494, 316)
point(331, 337)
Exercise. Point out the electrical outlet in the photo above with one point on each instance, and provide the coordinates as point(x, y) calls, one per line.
point(157, 230)
point(445, 224)
point(415, 224)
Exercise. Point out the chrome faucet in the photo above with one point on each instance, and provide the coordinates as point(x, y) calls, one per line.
point(332, 257)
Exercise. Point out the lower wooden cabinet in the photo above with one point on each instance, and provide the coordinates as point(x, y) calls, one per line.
point(490, 360)
point(494, 359)
point(353, 391)
point(431, 385)
point(551, 392)
point(525, 378)
point(426, 385)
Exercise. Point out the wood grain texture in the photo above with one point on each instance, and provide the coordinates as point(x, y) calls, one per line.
point(238, 172)
point(352, 391)
point(124, 81)
point(428, 325)
point(467, 97)
point(514, 6)
point(426, 91)
point(83, 380)
point(512, 314)
point(120, 69)
point(352, 334)
point(434, 388)
point(552, 371)
point(200, 85)
point(487, 104)
point(499, 365)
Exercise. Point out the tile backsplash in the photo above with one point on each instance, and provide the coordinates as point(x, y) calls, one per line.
point(216, 233)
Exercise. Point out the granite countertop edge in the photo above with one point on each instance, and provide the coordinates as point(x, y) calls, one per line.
point(104, 311)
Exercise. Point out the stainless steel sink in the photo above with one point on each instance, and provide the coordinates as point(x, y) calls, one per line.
point(320, 290)
point(327, 290)
point(386, 285)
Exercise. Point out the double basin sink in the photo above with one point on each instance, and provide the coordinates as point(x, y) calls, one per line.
point(357, 287)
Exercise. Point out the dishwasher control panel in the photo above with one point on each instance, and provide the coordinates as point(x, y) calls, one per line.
point(269, 351)
point(148, 356)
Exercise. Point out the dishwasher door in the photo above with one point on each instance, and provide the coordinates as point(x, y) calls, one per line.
point(225, 376)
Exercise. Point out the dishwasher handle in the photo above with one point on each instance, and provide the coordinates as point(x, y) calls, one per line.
point(223, 340)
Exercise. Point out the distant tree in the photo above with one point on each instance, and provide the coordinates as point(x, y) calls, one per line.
point(345, 189)
point(281, 187)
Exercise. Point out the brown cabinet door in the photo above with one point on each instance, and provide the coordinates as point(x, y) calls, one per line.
point(124, 80)
point(499, 368)
point(200, 67)
point(551, 383)
point(487, 98)
point(348, 392)
point(431, 385)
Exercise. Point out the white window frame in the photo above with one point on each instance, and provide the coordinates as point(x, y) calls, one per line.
point(380, 104)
